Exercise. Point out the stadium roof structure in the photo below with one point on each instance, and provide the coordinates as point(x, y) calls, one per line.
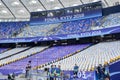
point(20, 9)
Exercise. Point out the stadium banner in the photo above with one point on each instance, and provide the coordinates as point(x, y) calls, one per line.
point(68, 75)
point(65, 18)
point(100, 32)
point(115, 71)
point(82, 75)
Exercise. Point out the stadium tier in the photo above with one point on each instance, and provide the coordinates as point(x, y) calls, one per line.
point(20, 30)
point(12, 52)
point(40, 30)
point(40, 58)
point(61, 28)
point(111, 20)
point(23, 52)
point(88, 59)
point(102, 53)
point(77, 26)
point(8, 29)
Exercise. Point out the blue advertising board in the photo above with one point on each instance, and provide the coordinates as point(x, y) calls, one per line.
point(63, 36)
point(115, 71)
point(82, 75)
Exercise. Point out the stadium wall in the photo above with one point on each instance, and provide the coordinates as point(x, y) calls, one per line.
point(115, 71)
